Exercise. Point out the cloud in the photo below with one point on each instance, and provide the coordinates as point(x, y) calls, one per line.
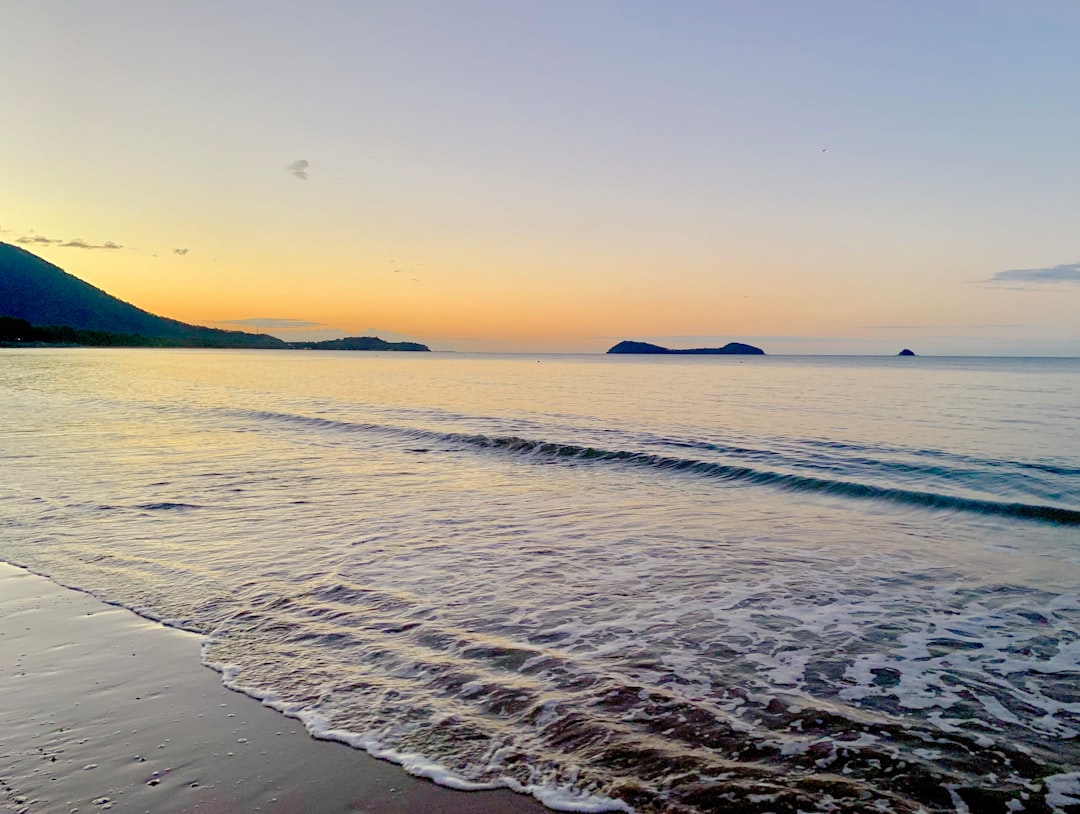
point(77, 243)
point(271, 322)
point(291, 330)
point(37, 240)
point(1066, 273)
point(897, 327)
point(976, 326)
point(180, 251)
point(299, 169)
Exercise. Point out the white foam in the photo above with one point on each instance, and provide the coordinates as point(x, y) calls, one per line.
point(1007, 646)
point(565, 798)
point(1062, 790)
point(958, 802)
point(561, 797)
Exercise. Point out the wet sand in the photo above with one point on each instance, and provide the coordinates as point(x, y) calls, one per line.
point(102, 710)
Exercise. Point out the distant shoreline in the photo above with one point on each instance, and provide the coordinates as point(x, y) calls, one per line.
point(18, 333)
point(6, 345)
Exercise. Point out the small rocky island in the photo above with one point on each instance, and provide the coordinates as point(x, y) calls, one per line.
point(730, 349)
point(906, 352)
point(359, 343)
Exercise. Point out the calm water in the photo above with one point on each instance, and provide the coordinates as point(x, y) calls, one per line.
point(680, 584)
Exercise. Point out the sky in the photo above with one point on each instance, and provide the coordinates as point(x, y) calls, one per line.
point(848, 176)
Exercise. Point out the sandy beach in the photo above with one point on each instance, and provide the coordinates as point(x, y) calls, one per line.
point(105, 710)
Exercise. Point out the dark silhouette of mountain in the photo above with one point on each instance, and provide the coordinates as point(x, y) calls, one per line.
point(359, 343)
point(34, 290)
point(906, 352)
point(731, 348)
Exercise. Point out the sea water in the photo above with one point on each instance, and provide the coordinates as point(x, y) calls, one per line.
point(682, 584)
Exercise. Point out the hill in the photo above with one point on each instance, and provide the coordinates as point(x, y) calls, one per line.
point(359, 343)
point(731, 348)
point(34, 290)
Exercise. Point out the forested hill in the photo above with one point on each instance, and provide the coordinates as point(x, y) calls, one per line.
point(34, 290)
point(359, 343)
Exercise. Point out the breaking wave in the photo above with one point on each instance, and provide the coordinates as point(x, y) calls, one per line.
point(738, 473)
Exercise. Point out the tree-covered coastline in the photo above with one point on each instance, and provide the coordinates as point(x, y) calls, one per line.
point(15, 332)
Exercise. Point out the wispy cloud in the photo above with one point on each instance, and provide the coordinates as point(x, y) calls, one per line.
point(897, 327)
point(271, 322)
point(36, 240)
point(299, 169)
point(78, 243)
point(979, 327)
point(291, 330)
point(180, 251)
point(1065, 273)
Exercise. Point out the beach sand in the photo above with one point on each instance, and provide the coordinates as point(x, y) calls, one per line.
point(101, 709)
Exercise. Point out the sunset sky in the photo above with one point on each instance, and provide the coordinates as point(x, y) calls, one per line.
point(548, 175)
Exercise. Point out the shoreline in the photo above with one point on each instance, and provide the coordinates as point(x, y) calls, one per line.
point(106, 710)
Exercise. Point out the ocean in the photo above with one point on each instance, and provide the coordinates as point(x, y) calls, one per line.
point(682, 584)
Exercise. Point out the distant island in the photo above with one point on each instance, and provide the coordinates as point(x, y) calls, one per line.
point(41, 304)
point(730, 349)
point(906, 352)
point(359, 343)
